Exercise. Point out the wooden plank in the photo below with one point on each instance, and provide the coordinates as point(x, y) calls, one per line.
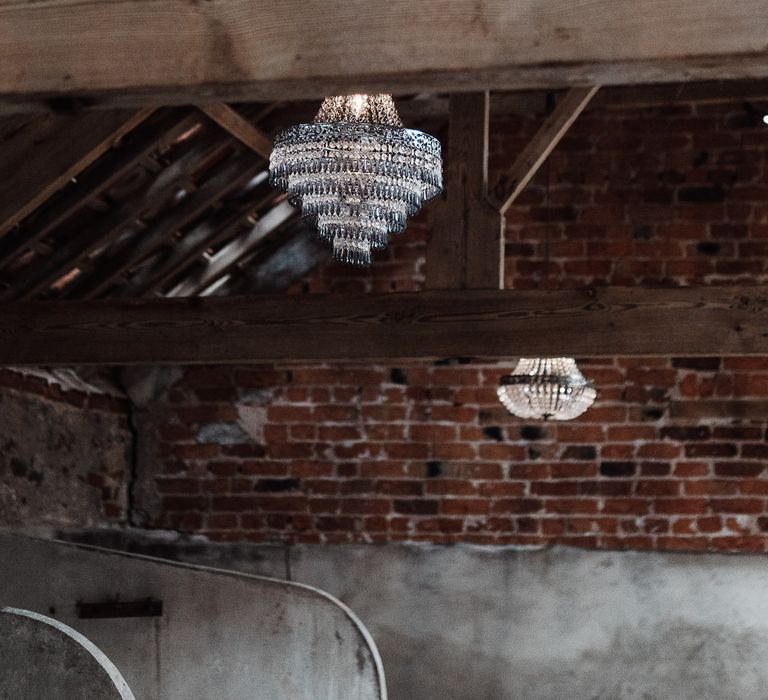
point(513, 182)
point(68, 255)
point(92, 183)
point(465, 246)
point(221, 227)
point(184, 51)
point(620, 321)
point(231, 254)
point(46, 154)
point(240, 128)
point(230, 175)
point(529, 102)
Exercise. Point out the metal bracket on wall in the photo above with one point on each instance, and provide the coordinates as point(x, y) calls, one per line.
point(117, 608)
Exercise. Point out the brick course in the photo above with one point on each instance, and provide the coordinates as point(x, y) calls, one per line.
point(456, 467)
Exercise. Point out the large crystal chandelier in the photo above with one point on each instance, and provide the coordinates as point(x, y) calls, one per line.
point(356, 173)
point(550, 388)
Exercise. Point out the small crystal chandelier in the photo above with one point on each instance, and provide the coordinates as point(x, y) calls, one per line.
point(546, 389)
point(356, 173)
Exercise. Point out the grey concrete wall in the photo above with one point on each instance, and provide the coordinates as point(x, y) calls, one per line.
point(487, 623)
point(60, 465)
point(222, 635)
point(41, 658)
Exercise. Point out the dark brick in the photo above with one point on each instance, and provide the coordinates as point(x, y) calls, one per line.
point(758, 450)
point(712, 449)
point(532, 432)
point(579, 452)
point(686, 433)
point(398, 376)
point(416, 506)
point(617, 469)
point(493, 432)
point(708, 247)
point(643, 232)
point(276, 485)
point(703, 364)
point(434, 468)
point(701, 195)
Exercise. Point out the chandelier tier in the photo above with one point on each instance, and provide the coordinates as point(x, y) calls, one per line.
point(546, 389)
point(356, 173)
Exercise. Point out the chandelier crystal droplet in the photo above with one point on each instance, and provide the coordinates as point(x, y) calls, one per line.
point(546, 389)
point(356, 173)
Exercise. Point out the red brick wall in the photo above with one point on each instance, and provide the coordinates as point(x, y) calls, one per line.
point(672, 456)
point(368, 454)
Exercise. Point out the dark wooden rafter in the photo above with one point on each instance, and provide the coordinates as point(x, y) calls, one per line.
point(465, 248)
point(439, 46)
point(232, 254)
point(239, 127)
point(527, 163)
point(49, 151)
point(230, 175)
point(481, 324)
point(213, 231)
point(152, 194)
point(162, 128)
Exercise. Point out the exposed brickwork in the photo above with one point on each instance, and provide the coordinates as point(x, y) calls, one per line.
point(673, 456)
point(426, 453)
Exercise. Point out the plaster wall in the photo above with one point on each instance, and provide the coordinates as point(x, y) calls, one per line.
point(468, 622)
point(221, 635)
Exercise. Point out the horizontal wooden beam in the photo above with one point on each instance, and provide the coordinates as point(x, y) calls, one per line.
point(166, 51)
point(482, 324)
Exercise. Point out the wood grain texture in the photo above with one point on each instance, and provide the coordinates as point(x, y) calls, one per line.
point(465, 245)
point(167, 125)
point(48, 152)
point(191, 51)
point(235, 251)
point(528, 162)
point(239, 127)
point(592, 322)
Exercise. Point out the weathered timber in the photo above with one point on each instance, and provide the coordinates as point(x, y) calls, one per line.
point(184, 51)
point(482, 324)
point(465, 246)
point(239, 127)
point(106, 172)
point(49, 151)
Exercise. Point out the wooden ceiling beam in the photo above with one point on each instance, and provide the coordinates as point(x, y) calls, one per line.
point(465, 248)
point(231, 175)
point(231, 254)
point(220, 228)
point(179, 51)
point(239, 127)
point(28, 283)
point(526, 165)
point(93, 182)
point(49, 151)
point(475, 324)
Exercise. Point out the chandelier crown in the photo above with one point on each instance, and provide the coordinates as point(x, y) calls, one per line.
point(370, 109)
point(356, 173)
point(546, 388)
